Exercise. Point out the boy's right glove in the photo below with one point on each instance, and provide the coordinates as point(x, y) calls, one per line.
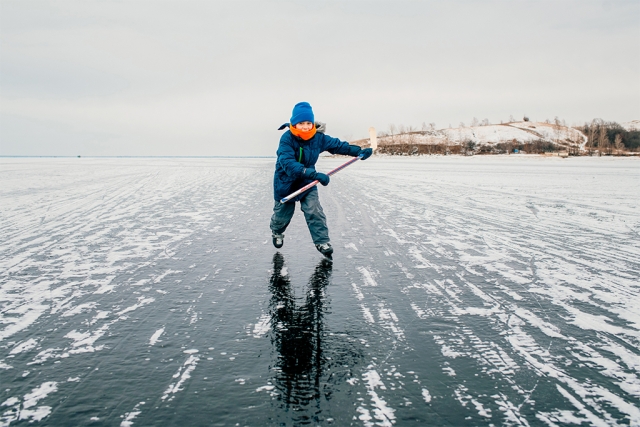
point(312, 174)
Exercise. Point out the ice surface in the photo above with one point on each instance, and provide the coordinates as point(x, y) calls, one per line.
point(497, 290)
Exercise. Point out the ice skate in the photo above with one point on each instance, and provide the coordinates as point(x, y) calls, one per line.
point(278, 240)
point(325, 249)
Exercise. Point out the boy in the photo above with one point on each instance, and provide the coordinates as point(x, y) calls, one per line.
point(297, 154)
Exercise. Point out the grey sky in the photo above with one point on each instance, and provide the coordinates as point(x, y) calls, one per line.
point(218, 77)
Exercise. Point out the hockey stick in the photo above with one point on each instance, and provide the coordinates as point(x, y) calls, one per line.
point(314, 183)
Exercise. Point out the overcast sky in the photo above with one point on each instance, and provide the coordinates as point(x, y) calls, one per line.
point(218, 77)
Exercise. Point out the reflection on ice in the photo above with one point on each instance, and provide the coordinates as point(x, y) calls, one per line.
point(298, 334)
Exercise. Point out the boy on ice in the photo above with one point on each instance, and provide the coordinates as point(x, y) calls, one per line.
point(298, 153)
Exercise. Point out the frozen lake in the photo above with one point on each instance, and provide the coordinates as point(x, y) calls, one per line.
point(464, 291)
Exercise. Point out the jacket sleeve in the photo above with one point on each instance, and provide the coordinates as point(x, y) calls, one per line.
point(336, 146)
point(287, 157)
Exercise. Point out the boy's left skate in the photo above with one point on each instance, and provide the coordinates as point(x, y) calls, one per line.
point(278, 240)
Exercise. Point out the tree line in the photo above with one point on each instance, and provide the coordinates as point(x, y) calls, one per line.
point(609, 137)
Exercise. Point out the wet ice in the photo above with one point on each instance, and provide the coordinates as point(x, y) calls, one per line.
point(464, 291)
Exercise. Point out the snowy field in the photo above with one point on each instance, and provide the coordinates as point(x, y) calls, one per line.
point(464, 291)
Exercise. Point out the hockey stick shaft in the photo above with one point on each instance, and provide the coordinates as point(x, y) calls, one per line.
point(314, 183)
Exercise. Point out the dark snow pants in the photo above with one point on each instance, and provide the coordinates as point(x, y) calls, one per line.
point(313, 213)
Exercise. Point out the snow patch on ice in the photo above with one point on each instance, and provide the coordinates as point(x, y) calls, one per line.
point(142, 301)
point(365, 416)
point(367, 276)
point(419, 312)
point(262, 326)
point(357, 291)
point(24, 346)
point(390, 321)
point(351, 246)
point(130, 416)
point(39, 393)
point(184, 373)
point(26, 408)
point(83, 341)
point(367, 314)
point(156, 336)
point(161, 277)
point(426, 395)
point(381, 410)
point(79, 309)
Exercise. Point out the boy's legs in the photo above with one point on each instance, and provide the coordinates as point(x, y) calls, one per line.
point(316, 220)
point(282, 214)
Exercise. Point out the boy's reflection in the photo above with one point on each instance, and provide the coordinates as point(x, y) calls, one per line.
point(297, 334)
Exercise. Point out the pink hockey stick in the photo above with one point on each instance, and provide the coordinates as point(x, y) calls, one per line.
point(314, 183)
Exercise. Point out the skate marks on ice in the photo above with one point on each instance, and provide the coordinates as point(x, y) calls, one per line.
point(534, 314)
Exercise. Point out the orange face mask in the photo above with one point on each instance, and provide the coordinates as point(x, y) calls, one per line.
point(302, 134)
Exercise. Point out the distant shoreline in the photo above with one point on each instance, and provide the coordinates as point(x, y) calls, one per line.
point(379, 156)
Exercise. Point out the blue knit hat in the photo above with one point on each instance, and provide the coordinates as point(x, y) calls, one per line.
point(302, 112)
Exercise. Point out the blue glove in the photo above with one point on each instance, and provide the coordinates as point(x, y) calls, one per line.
point(366, 153)
point(323, 178)
point(311, 173)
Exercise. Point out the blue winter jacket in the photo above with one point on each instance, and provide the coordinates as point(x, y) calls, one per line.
point(296, 154)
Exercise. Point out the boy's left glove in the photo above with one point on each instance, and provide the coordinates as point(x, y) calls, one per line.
point(323, 178)
point(312, 174)
point(366, 153)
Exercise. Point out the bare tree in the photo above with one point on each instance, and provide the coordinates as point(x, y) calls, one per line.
point(474, 122)
point(411, 137)
point(591, 136)
point(618, 143)
point(603, 140)
point(511, 119)
point(447, 140)
point(576, 139)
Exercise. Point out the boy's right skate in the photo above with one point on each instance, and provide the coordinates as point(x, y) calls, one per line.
point(325, 249)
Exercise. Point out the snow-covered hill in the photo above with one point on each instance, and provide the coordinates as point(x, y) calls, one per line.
point(515, 132)
point(632, 125)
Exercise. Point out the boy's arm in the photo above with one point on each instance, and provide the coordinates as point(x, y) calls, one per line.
point(336, 146)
